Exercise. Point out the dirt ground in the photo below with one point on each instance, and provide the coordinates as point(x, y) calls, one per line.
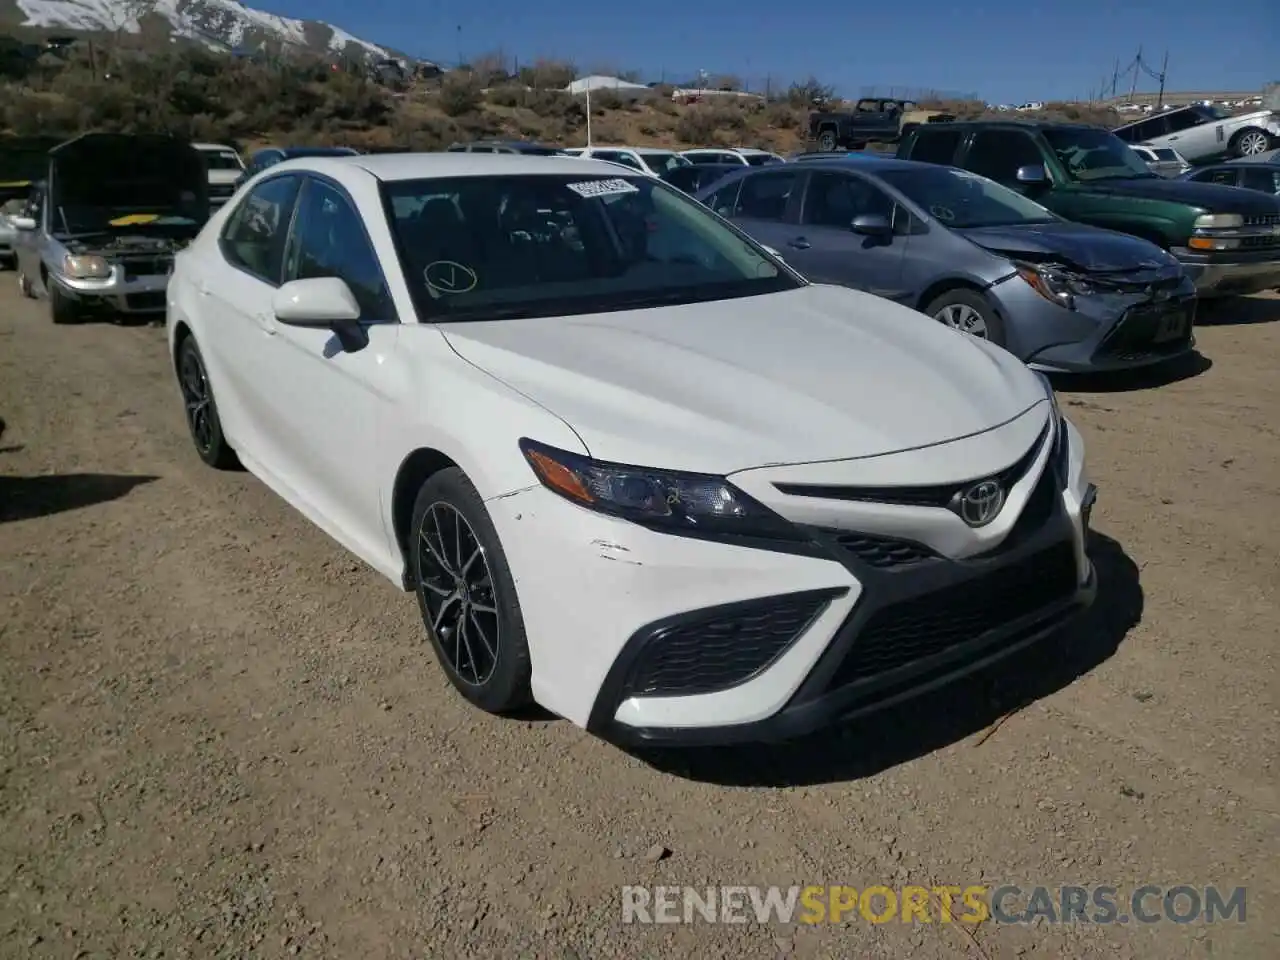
point(225, 737)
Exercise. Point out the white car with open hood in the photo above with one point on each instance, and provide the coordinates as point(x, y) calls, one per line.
point(633, 466)
point(99, 233)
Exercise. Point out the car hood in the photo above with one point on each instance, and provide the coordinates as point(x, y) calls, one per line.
point(814, 374)
point(1213, 197)
point(1083, 247)
point(129, 174)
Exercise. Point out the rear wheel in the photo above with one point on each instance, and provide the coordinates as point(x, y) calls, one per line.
point(1250, 142)
point(467, 595)
point(969, 312)
point(827, 141)
point(201, 410)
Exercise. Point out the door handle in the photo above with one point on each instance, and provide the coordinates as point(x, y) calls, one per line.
point(800, 243)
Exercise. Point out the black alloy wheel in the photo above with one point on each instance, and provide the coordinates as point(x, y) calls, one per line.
point(201, 410)
point(467, 596)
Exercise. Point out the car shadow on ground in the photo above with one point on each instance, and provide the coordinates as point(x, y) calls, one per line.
point(1237, 311)
point(888, 738)
point(1184, 367)
point(25, 498)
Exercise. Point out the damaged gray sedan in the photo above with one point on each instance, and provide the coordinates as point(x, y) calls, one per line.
point(99, 233)
point(976, 256)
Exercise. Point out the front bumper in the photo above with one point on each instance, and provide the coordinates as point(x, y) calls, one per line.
point(644, 637)
point(1106, 332)
point(122, 292)
point(1239, 275)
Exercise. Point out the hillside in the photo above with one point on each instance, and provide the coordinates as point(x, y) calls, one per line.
point(219, 24)
point(207, 96)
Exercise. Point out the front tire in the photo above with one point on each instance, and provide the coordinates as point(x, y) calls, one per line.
point(24, 286)
point(1250, 142)
point(467, 595)
point(62, 309)
point(201, 409)
point(827, 141)
point(969, 312)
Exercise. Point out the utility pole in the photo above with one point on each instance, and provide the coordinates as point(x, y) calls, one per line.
point(1133, 87)
point(1115, 78)
point(1164, 70)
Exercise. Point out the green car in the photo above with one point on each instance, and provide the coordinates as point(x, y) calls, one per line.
point(1227, 239)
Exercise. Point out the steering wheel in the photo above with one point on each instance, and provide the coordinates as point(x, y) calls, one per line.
point(945, 214)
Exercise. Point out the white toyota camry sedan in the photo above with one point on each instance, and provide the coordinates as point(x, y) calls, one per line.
point(634, 467)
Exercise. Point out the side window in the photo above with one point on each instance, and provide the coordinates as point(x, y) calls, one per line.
point(725, 199)
point(703, 158)
point(1268, 181)
point(1223, 175)
point(997, 154)
point(765, 196)
point(935, 146)
point(329, 240)
point(835, 199)
point(1182, 120)
point(255, 234)
point(628, 160)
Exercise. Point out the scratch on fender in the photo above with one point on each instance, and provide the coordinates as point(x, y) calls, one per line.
point(609, 545)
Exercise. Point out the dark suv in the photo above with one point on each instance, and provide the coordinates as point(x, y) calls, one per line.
point(1228, 240)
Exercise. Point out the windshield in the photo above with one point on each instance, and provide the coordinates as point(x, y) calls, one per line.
point(540, 151)
point(660, 163)
point(115, 205)
point(221, 160)
point(1091, 154)
point(1164, 153)
point(485, 248)
point(961, 200)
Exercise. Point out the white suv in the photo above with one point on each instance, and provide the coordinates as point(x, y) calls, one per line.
point(1203, 132)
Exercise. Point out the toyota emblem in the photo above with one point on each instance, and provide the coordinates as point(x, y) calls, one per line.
point(980, 503)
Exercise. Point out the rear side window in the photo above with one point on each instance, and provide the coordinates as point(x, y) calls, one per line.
point(255, 235)
point(765, 196)
point(935, 146)
point(1224, 175)
point(1268, 181)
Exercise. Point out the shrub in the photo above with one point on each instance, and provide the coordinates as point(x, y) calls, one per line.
point(460, 96)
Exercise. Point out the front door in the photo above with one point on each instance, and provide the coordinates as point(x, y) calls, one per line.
point(833, 253)
point(333, 402)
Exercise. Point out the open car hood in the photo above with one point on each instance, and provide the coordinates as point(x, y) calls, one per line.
point(128, 181)
point(23, 160)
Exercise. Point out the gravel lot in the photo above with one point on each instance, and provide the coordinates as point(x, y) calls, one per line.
point(225, 737)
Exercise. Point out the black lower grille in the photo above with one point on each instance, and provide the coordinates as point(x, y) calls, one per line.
point(912, 630)
point(883, 553)
point(152, 300)
point(724, 647)
point(1145, 331)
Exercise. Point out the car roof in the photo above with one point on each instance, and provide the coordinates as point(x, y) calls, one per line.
point(870, 162)
point(391, 167)
point(1011, 123)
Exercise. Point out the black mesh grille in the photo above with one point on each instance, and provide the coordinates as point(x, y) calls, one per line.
point(151, 267)
point(924, 626)
point(1262, 220)
point(724, 649)
point(884, 553)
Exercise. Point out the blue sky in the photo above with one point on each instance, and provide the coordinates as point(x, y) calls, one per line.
point(1004, 50)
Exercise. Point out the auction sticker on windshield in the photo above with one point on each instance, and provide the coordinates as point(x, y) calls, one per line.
point(445, 277)
point(602, 188)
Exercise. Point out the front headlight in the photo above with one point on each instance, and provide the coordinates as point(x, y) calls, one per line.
point(1219, 221)
point(86, 267)
point(670, 501)
point(1054, 285)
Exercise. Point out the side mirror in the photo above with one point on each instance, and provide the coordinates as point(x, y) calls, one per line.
point(316, 302)
point(23, 223)
point(872, 225)
point(322, 303)
point(1033, 173)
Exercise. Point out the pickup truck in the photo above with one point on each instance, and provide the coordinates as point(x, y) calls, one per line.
point(1227, 239)
point(872, 120)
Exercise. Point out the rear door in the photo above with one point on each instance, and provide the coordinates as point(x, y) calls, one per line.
point(233, 296)
point(833, 253)
point(1194, 135)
